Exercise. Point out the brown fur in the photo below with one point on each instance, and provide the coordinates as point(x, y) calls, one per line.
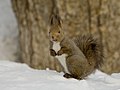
point(91, 48)
point(76, 61)
point(83, 52)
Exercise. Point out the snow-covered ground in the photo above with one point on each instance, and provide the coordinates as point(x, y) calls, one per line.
point(8, 32)
point(16, 76)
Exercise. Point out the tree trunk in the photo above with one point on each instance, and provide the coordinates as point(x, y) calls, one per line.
point(98, 17)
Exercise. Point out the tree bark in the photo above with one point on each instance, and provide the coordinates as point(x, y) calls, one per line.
point(97, 17)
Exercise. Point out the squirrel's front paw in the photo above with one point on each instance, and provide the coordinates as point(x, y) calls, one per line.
point(52, 52)
point(59, 53)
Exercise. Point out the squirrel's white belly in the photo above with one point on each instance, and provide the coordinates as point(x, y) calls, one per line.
point(56, 46)
point(61, 58)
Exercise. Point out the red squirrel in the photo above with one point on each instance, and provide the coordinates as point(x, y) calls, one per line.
point(79, 56)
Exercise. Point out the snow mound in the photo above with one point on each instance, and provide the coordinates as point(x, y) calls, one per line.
point(17, 76)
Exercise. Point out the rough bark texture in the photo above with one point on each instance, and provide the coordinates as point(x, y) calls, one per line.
point(98, 17)
point(32, 18)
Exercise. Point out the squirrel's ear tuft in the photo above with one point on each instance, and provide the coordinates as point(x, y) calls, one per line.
point(55, 20)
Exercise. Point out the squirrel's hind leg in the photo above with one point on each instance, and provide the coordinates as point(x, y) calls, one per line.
point(66, 75)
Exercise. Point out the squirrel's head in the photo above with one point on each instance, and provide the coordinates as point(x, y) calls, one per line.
point(55, 30)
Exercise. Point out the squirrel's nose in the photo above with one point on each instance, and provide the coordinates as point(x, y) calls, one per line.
point(53, 37)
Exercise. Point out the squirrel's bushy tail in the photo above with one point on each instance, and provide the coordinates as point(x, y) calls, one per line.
point(91, 49)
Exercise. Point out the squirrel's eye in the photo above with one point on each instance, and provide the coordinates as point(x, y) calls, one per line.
point(58, 31)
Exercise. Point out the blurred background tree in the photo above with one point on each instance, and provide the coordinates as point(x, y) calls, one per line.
point(101, 18)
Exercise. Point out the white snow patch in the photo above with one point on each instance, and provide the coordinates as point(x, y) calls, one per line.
point(16, 76)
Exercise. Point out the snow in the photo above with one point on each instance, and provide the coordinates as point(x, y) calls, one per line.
point(17, 76)
point(8, 32)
